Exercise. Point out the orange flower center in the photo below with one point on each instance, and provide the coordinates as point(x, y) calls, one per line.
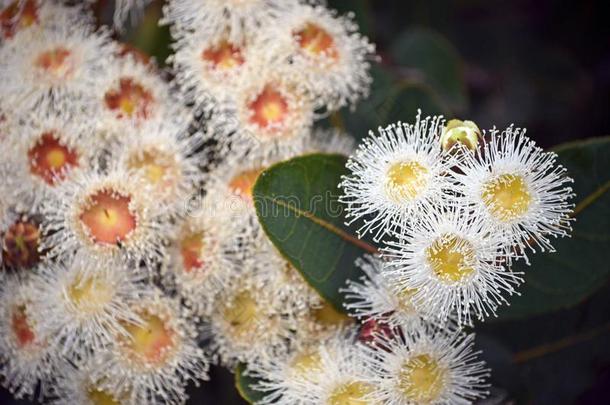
point(21, 329)
point(316, 41)
point(151, 342)
point(54, 61)
point(130, 100)
point(243, 183)
point(108, 217)
point(224, 55)
point(16, 16)
point(21, 241)
point(268, 108)
point(191, 249)
point(50, 160)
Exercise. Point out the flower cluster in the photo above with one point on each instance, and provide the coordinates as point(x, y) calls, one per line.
point(456, 208)
point(131, 255)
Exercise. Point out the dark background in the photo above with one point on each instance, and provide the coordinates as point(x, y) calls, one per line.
point(544, 65)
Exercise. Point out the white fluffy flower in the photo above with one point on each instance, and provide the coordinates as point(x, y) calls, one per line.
point(157, 358)
point(519, 189)
point(262, 260)
point(330, 372)
point(450, 261)
point(130, 93)
point(287, 379)
point(426, 367)
point(104, 214)
point(46, 148)
point(166, 158)
point(197, 258)
point(26, 358)
point(268, 113)
point(55, 66)
point(78, 386)
point(249, 321)
point(19, 15)
point(87, 302)
point(325, 51)
point(397, 176)
point(373, 297)
point(238, 18)
point(208, 66)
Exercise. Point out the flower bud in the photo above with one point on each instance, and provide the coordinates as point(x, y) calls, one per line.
point(456, 131)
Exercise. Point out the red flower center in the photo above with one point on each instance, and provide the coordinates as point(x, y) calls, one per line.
point(50, 160)
point(224, 55)
point(131, 99)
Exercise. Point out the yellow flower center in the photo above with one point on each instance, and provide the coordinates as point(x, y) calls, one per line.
point(405, 300)
point(327, 315)
point(350, 393)
point(242, 315)
point(405, 181)
point(307, 363)
point(421, 379)
point(451, 258)
point(100, 397)
point(159, 169)
point(91, 294)
point(507, 197)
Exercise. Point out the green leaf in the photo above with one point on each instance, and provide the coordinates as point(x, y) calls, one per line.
point(149, 37)
point(428, 58)
point(243, 384)
point(580, 265)
point(297, 205)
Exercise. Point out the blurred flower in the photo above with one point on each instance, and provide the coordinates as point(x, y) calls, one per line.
point(157, 358)
point(53, 65)
point(325, 52)
point(237, 18)
point(26, 357)
point(88, 302)
point(105, 215)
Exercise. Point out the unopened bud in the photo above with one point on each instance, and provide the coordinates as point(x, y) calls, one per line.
point(465, 132)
